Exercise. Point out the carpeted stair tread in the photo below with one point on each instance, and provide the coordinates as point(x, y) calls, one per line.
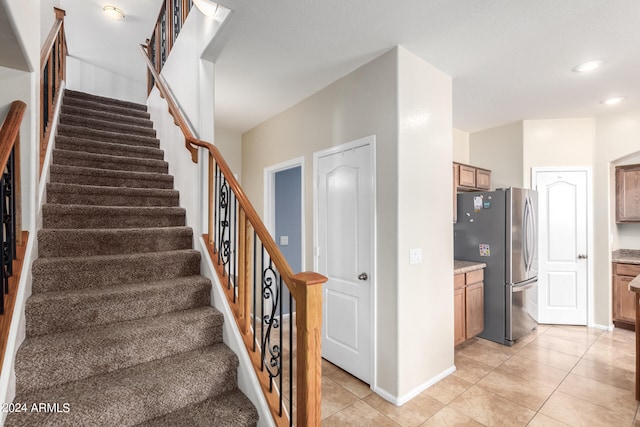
point(55, 359)
point(54, 312)
point(231, 410)
point(66, 273)
point(105, 161)
point(94, 123)
point(106, 136)
point(99, 147)
point(108, 177)
point(137, 394)
point(82, 216)
point(104, 241)
point(76, 194)
point(107, 115)
point(107, 108)
point(68, 94)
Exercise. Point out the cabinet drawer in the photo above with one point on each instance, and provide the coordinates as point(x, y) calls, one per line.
point(475, 276)
point(627, 269)
point(458, 281)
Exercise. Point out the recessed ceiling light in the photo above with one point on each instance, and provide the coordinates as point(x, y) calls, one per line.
point(588, 66)
point(113, 12)
point(612, 101)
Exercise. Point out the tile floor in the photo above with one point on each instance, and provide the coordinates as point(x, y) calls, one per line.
point(556, 376)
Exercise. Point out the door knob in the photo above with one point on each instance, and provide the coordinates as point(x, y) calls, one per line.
point(363, 276)
point(581, 256)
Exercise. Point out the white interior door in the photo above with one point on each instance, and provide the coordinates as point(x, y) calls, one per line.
point(563, 263)
point(344, 212)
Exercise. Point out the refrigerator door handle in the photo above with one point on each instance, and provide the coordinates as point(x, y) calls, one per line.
point(522, 286)
point(525, 235)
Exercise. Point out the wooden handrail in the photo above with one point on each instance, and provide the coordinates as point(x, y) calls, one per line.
point(305, 288)
point(10, 130)
point(51, 38)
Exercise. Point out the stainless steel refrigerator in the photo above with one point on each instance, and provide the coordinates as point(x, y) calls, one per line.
point(499, 228)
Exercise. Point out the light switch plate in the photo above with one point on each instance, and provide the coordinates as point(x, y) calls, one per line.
point(284, 240)
point(415, 256)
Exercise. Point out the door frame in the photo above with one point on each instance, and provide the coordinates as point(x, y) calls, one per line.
point(371, 142)
point(270, 197)
point(590, 231)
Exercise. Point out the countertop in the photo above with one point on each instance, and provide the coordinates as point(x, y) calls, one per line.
point(634, 285)
point(626, 256)
point(467, 266)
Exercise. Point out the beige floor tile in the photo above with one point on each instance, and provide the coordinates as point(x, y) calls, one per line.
point(351, 383)
point(447, 389)
point(335, 397)
point(541, 420)
point(470, 370)
point(579, 335)
point(577, 412)
point(448, 417)
point(527, 393)
point(547, 356)
point(606, 373)
point(501, 349)
point(562, 345)
point(413, 413)
point(359, 414)
point(608, 355)
point(483, 354)
point(490, 409)
point(531, 370)
point(609, 396)
point(328, 367)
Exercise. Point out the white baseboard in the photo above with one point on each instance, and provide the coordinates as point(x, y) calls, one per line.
point(401, 400)
point(602, 327)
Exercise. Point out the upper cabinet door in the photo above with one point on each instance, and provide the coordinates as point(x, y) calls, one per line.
point(483, 179)
point(467, 176)
point(628, 193)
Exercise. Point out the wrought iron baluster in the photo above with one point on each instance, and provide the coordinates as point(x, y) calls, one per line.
point(255, 281)
point(216, 212)
point(290, 359)
point(233, 262)
point(281, 347)
point(271, 293)
point(45, 98)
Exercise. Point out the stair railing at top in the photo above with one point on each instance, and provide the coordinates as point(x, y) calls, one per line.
point(10, 204)
point(53, 65)
point(252, 271)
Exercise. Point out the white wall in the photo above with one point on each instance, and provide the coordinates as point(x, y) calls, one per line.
point(425, 290)
point(230, 145)
point(499, 149)
point(559, 142)
point(460, 146)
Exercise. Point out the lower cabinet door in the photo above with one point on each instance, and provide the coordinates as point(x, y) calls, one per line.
point(458, 316)
point(474, 309)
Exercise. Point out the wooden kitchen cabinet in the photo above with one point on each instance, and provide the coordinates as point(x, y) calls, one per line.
point(628, 193)
point(624, 308)
point(468, 178)
point(468, 306)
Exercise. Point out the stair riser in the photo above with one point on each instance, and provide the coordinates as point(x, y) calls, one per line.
point(101, 100)
point(167, 387)
point(99, 135)
point(55, 369)
point(86, 146)
point(100, 273)
point(109, 181)
point(109, 200)
point(106, 116)
point(53, 220)
point(55, 315)
point(65, 160)
point(91, 123)
point(59, 243)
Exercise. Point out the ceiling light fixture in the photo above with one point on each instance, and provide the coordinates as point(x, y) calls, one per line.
point(588, 66)
point(612, 101)
point(113, 12)
point(206, 7)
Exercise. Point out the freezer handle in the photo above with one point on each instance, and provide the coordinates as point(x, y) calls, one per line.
point(523, 286)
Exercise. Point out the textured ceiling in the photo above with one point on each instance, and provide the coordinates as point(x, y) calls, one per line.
point(509, 59)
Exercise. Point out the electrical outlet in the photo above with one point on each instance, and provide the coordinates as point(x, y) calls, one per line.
point(284, 240)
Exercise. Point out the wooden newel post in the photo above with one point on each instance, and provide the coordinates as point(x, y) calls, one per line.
point(308, 290)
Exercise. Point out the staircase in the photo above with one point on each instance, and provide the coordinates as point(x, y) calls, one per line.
point(120, 327)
